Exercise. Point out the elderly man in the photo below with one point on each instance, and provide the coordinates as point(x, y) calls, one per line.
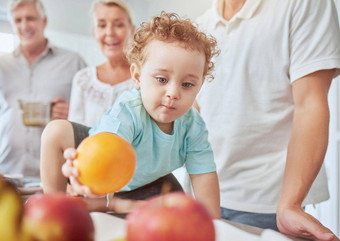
point(35, 71)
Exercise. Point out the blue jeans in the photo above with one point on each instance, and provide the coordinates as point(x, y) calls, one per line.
point(261, 220)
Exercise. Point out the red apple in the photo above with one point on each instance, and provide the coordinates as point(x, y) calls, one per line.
point(57, 217)
point(170, 217)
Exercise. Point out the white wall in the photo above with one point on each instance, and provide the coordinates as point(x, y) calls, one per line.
point(69, 23)
point(73, 15)
point(144, 9)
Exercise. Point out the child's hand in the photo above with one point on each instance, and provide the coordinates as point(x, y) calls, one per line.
point(72, 173)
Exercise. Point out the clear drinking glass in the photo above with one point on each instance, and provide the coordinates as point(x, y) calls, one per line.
point(35, 113)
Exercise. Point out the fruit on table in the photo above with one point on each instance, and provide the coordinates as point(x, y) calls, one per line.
point(56, 217)
point(106, 162)
point(11, 209)
point(170, 217)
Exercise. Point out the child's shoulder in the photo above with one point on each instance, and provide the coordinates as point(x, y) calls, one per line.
point(192, 126)
point(130, 102)
point(128, 109)
point(193, 115)
point(192, 118)
point(130, 98)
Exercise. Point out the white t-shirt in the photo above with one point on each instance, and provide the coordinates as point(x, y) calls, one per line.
point(90, 98)
point(248, 107)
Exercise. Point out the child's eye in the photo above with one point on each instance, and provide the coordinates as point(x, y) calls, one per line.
point(161, 80)
point(187, 85)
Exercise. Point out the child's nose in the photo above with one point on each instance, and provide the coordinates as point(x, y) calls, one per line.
point(173, 92)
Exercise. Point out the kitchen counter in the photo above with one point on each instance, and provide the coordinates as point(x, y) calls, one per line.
point(109, 227)
point(104, 222)
point(257, 231)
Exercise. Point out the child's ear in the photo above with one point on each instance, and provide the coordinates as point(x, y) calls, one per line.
point(135, 75)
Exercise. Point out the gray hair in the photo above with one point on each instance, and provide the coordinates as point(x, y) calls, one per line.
point(13, 4)
point(120, 3)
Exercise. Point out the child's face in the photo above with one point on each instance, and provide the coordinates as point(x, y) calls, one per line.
point(169, 81)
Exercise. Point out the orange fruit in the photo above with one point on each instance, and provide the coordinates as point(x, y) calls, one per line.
point(106, 162)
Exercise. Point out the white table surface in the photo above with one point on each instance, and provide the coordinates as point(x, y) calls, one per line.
point(109, 227)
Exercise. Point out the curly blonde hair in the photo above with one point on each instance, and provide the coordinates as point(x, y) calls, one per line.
point(169, 27)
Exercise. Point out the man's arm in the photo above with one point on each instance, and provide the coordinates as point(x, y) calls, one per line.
point(306, 151)
point(207, 191)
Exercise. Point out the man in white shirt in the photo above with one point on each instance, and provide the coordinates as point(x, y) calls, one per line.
point(35, 71)
point(267, 112)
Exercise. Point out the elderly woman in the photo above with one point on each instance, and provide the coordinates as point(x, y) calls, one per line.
point(96, 88)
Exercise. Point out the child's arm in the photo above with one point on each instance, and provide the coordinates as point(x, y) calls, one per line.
point(207, 191)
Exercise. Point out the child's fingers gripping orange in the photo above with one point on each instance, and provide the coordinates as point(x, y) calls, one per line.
point(106, 162)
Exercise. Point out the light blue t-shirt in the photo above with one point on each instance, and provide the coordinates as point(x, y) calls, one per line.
point(158, 153)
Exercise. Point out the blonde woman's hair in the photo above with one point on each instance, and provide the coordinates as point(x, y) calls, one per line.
point(169, 27)
point(120, 3)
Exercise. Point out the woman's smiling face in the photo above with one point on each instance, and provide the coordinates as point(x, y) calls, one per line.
point(112, 29)
point(169, 80)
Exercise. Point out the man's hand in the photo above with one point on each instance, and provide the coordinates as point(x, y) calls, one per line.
point(59, 108)
point(294, 221)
